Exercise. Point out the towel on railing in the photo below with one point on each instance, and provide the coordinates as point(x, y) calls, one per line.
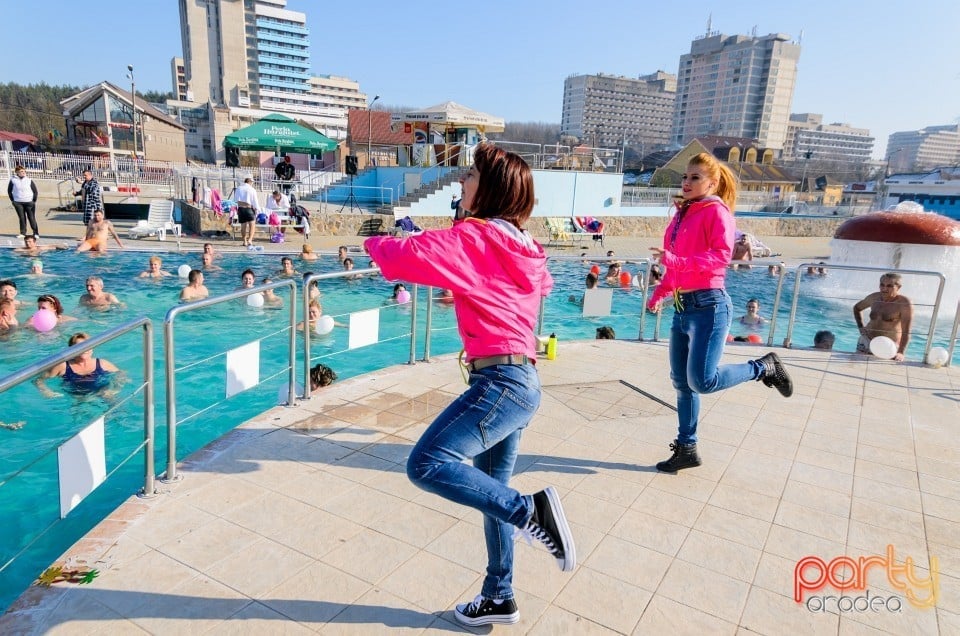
point(216, 203)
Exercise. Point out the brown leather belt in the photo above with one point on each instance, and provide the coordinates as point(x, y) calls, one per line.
point(482, 363)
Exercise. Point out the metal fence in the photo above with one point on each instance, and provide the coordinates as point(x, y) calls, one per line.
point(27, 472)
point(170, 363)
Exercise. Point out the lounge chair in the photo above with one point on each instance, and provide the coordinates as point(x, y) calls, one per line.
point(560, 231)
point(159, 220)
point(589, 225)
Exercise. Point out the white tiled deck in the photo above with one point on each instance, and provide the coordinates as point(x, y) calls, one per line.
point(303, 519)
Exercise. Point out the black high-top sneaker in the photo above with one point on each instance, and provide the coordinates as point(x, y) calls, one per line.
point(486, 611)
point(684, 456)
point(775, 375)
point(549, 526)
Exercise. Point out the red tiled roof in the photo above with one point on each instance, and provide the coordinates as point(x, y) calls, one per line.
point(379, 127)
point(6, 135)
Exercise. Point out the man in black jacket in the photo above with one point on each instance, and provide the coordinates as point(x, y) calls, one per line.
point(285, 171)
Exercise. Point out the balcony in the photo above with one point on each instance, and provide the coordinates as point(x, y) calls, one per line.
point(298, 62)
point(277, 37)
point(267, 23)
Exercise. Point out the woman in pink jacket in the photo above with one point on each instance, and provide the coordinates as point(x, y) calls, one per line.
point(498, 274)
point(696, 251)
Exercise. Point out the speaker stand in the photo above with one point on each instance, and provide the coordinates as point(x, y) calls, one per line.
point(352, 200)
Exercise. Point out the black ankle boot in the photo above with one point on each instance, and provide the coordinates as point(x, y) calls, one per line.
point(775, 375)
point(684, 456)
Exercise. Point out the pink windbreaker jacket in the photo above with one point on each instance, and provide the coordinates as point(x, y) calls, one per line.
point(702, 251)
point(497, 274)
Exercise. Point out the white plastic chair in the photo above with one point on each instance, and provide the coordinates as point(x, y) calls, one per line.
point(159, 220)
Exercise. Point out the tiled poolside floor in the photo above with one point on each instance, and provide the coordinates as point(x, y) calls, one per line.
point(303, 520)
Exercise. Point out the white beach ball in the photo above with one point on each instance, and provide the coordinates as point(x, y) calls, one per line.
point(324, 325)
point(883, 347)
point(255, 300)
point(183, 271)
point(938, 357)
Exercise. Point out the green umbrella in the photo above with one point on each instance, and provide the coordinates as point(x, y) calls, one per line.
point(279, 133)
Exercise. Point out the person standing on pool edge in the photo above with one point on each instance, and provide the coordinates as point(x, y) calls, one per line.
point(498, 275)
point(696, 250)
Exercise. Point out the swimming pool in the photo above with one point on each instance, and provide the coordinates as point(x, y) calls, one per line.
point(26, 503)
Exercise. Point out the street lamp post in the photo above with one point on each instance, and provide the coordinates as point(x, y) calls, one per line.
point(133, 114)
point(370, 128)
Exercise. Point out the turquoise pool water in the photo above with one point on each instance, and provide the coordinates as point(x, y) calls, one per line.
point(28, 499)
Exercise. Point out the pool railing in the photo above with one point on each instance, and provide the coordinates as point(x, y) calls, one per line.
point(147, 445)
point(170, 364)
point(941, 282)
point(953, 334)
point(308, 282)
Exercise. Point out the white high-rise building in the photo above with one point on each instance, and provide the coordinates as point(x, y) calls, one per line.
point(809, 138)
point(736, 86)
point(609, 110)
point(931, 147)
point(247, 58)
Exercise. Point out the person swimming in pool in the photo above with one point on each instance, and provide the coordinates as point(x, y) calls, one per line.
point(155, 269)
point(81, 375)
point(52, 303)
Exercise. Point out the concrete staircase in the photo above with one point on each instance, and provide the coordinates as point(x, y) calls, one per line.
point(421, 193)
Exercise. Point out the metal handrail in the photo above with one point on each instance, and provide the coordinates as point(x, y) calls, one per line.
point(169, 362)
point(953, 334)
point(862, 268)
point(26, 373)
point(309, 280)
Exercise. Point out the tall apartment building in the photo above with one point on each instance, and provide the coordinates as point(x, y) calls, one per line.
point(806, 133)
point(249, 58)
point(931, 147)
point(246, 53)
point(608, 110)
point(736, 86)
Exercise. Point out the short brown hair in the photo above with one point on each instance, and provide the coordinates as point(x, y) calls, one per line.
point(322, 375)
point(77, 337)
point(505, 186)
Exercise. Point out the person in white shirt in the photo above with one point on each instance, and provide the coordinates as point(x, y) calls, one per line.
point(248, 206)
point(23, 194)
point(278, 202)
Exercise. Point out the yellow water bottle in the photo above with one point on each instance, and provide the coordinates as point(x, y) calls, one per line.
point(552, 347)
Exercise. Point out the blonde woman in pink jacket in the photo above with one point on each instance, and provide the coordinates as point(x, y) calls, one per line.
point(696, 251)
point(498, 274)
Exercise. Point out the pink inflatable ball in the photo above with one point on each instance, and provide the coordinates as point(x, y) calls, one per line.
point(754, 338)
point(403, 297)
point(44, 320)
point(625, 279)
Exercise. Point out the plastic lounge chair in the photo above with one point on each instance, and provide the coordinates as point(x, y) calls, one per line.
point(589, 225)
point(159, 220)
point(558, 229)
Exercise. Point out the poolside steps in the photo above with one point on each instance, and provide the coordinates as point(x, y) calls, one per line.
point(404, 203)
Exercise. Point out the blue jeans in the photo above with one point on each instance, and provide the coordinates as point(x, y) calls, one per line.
point(697, 336)
point(483, 424)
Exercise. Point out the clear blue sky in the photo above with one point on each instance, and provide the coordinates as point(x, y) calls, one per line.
point(885, 67)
